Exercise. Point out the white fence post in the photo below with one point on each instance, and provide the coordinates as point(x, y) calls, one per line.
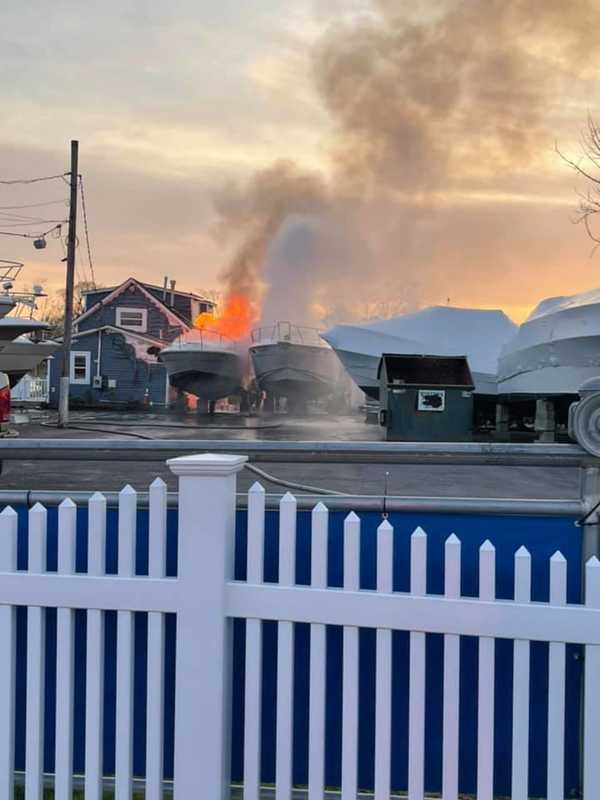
point(206, 545)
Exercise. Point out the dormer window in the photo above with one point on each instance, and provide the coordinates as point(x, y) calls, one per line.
point(132, 319)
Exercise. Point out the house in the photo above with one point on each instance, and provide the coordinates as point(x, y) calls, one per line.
point(109, 363)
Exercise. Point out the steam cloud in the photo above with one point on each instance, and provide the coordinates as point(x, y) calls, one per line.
point(435, 115)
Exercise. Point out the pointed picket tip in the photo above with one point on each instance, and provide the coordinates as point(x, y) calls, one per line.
point(320, 508)
point(67, 503)
point(385, 526)
point(288, 497)
point(487, 547)
point(8, 512)
point(453, 539)
point(593, 563)
point(352, 517)
point(522, 552)
point(126, 490)
point(558, 558)
point(97, 497)
point(38, 508)
point(158, 483)
point(256, 488)
point(418, 533)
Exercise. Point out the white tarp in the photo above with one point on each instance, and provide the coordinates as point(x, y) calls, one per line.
point(478, 334)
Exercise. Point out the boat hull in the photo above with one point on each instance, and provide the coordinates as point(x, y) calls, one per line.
point(205, 373)
point(555, 350)
point(18, 358)
point(287, 369)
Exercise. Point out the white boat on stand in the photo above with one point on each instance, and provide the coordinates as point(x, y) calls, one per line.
point(478, 334)
point(293, 362)
point(555, 350)
point(205, 364)
point(20, 354)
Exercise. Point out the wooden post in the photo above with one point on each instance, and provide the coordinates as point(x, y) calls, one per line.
point(207, 485)
point(63, 407)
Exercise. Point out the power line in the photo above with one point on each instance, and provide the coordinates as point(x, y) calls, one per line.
point(85, 226)
point(31, 235)
point(64, 201)
point(35, 222)
point(25, 218)
point(33, 180)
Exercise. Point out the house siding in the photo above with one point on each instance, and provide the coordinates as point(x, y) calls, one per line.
point(159, 325)
point(139, 381)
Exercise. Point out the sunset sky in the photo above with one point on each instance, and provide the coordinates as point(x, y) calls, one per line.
point(428, 130)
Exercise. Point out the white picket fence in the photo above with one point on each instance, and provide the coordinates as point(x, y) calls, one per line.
point(206, 599)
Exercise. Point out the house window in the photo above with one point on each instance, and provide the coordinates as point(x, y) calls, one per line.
point(133, 319)
point(80, 367)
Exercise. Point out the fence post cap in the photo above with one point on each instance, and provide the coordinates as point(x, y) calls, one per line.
point(207, 464)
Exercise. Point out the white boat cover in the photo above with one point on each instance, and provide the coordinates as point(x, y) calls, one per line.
point(478, 334)
point(556, 349)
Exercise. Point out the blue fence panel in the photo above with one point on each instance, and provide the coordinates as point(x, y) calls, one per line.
point(542, 536)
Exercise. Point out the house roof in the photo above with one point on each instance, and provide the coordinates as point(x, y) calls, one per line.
point(174, 318)
point(153, 286)
point(123, 331)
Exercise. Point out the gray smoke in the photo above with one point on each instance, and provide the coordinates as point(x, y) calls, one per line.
point(430, 110)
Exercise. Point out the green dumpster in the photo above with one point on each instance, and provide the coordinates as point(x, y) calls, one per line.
point(426, 398)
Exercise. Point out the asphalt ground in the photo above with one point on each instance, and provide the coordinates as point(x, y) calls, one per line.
point(356, 479)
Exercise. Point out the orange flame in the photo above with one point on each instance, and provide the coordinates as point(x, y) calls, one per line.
point(234, 321)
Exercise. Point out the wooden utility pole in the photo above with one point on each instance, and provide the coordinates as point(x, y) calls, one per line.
point(63, 403)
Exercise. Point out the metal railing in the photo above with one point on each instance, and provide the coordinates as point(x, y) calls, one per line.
point(203, 337)
point(500, 454)
point(287, 332)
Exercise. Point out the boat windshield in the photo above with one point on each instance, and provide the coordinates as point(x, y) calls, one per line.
point(286, 332)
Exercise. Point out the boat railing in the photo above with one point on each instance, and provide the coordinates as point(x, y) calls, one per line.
point(205, 336)
point(287, 332)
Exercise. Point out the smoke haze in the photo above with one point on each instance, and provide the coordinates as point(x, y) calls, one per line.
point(438, 119)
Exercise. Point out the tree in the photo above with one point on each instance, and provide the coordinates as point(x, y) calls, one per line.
point(588, 167)
point(52, 309)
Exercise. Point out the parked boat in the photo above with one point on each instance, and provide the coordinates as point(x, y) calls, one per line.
point(555, 350)
point(20, 354)
point(204, 364)
point(293, 362)
point(478, 334)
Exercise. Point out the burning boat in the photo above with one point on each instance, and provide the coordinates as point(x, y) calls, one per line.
point(293, 362)
point(555, 350)
point(439, 331)
point(203, 363)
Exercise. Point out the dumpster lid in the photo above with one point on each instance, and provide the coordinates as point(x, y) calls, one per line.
point(425, 370)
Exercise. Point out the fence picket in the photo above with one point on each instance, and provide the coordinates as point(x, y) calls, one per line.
point(34, 737)
point(591, 766)
point(383, 668)
point(94, 692)
point(350, 664)
point(157, 541)
point(285, 653)
point(452, 572)
point(520, 741)
point(125, 660)
point(8, 563)
point(252, 714)
point(318, 658)
point(416, 690)
point(485, 720)
point(556, 687)
point(63, 780)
